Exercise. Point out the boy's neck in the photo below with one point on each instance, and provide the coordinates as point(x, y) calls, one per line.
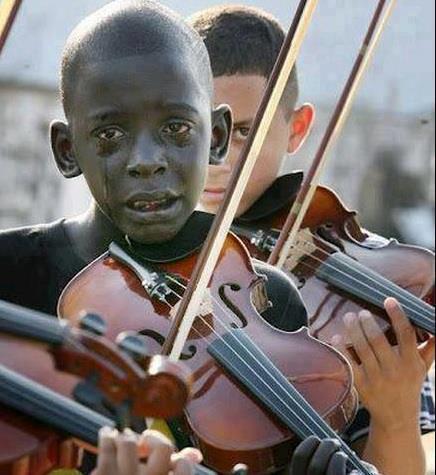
point(91, 233)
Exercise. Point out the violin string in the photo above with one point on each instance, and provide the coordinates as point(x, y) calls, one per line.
point(406, 299)
point(359, 272)
point(420, 318)
point(320, 425)
point(214, 332)
point(312, 417)
point(415, 319)
point(389, 291)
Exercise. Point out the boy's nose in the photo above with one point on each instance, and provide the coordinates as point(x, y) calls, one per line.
point(147, 159)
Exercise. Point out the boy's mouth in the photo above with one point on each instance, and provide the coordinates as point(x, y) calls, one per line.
point(213, 195)
point(153, 205)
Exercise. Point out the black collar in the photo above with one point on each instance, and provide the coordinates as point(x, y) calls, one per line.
point(280, 194)
point(188, 240)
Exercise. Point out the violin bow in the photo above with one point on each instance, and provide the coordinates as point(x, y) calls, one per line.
point(301, 205)
point(206, 263)
point(8, 13)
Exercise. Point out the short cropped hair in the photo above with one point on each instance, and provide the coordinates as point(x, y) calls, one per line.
point(126, 28)
point(244, 40)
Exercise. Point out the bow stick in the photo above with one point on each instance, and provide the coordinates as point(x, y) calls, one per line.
point(8, 13)
point(298, 211)
point(209, 255)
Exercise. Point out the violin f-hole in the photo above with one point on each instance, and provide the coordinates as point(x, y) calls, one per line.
point(233, 306)
point(160, 340)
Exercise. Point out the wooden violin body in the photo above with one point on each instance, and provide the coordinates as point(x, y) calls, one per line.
point(329, 228)
point(30, 448)
point(227, 424)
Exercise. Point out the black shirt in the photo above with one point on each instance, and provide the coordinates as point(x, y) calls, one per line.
point(36, 263)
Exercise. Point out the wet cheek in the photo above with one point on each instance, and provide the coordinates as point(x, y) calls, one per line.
point(105, 148)
point(106, 181)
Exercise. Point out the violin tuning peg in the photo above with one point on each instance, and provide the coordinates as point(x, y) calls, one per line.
point(93, 323)
point(133, 345)
point(240, 469)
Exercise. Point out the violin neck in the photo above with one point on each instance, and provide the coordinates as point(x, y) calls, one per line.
point(349, 275)
point(50, 408)
point(54, 410)
point(37, 326)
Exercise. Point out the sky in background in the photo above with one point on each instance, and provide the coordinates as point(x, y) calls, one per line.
point(401, 78)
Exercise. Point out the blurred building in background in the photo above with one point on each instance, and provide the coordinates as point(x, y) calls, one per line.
point(382, 166)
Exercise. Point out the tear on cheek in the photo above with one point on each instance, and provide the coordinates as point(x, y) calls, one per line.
point(106, 148)
point(106, 188)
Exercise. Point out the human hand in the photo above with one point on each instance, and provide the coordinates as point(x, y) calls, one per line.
point(316, 457)
point(125, 454)
point(389, 379)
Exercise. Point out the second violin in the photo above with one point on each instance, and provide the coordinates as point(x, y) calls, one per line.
point(340, 267)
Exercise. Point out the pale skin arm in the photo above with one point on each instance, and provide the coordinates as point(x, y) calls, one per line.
point(389, 381)
point(149, 454)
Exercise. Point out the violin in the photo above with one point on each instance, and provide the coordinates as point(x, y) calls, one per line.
point(44, 361)
point(321, 243)
point(227, 353)
point(339, 267)
point(53, 417)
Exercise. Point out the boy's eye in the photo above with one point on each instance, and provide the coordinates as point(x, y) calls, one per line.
point(110, 134)
point(177, 128)
point(241, 133)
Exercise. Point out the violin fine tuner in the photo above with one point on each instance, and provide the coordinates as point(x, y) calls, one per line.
point(240, 470)
point(93, 323)
point(134, 345)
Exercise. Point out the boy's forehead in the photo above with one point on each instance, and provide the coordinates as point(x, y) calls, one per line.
point(243, 93)
point(132, 80)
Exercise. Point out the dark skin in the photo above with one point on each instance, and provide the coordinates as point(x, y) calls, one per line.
point(316, 457)
point(142, 131)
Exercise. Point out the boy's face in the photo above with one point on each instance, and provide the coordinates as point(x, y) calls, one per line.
point(244, 93)
point(141, 134)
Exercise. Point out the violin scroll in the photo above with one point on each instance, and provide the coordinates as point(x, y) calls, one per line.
point(153, 388)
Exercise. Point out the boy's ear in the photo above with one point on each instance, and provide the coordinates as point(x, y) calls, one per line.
point(62, 146)
point(300, 127)
point(222, 127)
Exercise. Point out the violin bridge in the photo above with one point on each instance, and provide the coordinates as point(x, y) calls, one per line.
point(304, 246)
